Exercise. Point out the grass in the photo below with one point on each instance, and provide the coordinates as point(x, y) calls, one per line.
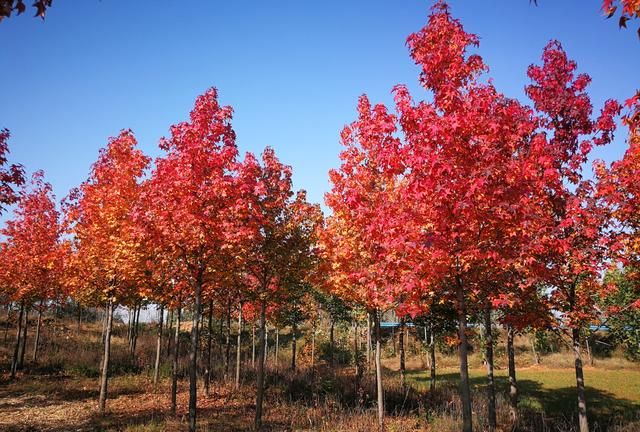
point(613, 396)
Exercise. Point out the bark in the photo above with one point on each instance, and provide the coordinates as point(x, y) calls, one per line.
point(6, 324)
point(174, 366)
point(589, 353)
point(253, 345)
point(136, 325)
point(513, 383)
point(275, 359)
point(368, 340)
point(432, 355)
point(207, 370)
point(14, 362)
point(260, 373)
point(332, 343)
point(23, 343)
point(491, 385)
point(170, 330)
point(465, 393)
point(294, 347)
point(227, 356)
point(193, 357)
point(239, 348)
point(313, 346)
point(36, 342)
point(156, 367)
point(401, 349)
point(583, 423)
point(379, 389)
point(356, 354)
point(102, 401)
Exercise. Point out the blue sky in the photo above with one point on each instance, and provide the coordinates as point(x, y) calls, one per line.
point(292, 70)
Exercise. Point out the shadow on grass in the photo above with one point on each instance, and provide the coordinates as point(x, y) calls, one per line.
point(604, 408)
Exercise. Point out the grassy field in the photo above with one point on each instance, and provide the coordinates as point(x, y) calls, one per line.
point(613, 395)
point(60, 392)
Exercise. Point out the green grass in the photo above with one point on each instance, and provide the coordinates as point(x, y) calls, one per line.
point(612, 395)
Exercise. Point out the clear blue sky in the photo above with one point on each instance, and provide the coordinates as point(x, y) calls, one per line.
point(292, 70)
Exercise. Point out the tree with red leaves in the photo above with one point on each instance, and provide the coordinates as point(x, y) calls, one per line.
point(278, 246)
point(104, 267)
point(191, 192)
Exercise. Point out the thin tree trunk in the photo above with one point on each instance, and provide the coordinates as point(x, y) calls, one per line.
point(313, 346)
point(260, 374)
point(174, 366)
point(294, 347)
point(23, 344)
point(432, 355)
point(37, 339)
point(465, 393)
point(193, 358)
point(368, 341)
point(239, 348)
point(207, 371)
point(169, 332)
point(491, 386)
point(356, 354)
point(14, 363)
point(589, 353)
point(380, 391)
point(277, 348)
point(513, 383)
point(136, 325)
point(332, 343)
point(102, 401)
point(401, 348)
point(536, 356)
point(227, 356)
point(79, 317)
point(156, 368)
point(583, 423)
point(253, 345)
point(6, 324)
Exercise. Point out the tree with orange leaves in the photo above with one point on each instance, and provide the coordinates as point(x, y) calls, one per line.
point(104, 266)
point(10, 175)
point(33, 257)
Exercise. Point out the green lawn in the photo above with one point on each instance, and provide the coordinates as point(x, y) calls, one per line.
point(611, 394)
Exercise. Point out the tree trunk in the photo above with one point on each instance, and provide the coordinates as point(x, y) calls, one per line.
point(582, 401)
point(380, 391)
point(332, 342)
point(513, 383)
point(589, 353)
point(23, 343)
point(368, 340)
point(227, 356)
point(536, 356)
point(174, 366)
point(275, 359)
point(102, 401)
point(156, 367)
point(491, 385)
point(260, 374)
point(14, 363)
point(294, 335)
point(401, 349)
point(193, 357)
point(207, 370)
point(465, 393)
point(79, 317)
point(136, 322)
point(37, 340)
point(169, 332)
point(356, 355)
point(313, 346)
point(253, 345)
point(6, 324)
point(239, 348)
point(432, 355)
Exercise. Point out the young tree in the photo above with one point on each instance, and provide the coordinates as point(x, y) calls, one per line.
point(105, 266)
point(191, 194)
